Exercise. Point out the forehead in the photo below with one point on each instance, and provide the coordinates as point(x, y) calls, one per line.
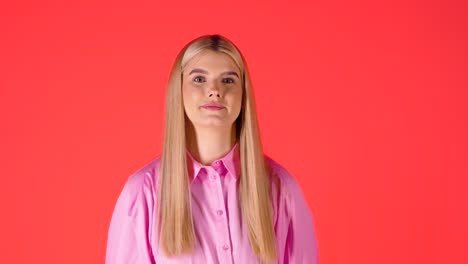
point(212, 61)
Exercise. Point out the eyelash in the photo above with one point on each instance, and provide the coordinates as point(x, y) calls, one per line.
point(195, 79)
point(230, 79)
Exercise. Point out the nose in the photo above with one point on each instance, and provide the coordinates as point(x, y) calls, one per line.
point(214, 91)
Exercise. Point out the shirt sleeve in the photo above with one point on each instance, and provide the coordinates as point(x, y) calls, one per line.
point(129, 231)
point(301, 241)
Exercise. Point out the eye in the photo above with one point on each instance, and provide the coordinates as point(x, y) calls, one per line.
point(199, 79)
point(228, 80)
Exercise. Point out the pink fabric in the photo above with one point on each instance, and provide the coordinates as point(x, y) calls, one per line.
point(222, 236)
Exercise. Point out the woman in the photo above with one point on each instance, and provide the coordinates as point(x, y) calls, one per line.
point(212, 196)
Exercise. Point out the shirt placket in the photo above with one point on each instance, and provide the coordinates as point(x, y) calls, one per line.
point(222, 226)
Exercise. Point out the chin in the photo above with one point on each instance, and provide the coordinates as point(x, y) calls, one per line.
point(220, 125)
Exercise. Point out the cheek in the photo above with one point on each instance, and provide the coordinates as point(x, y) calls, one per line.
point(191, 96)
point(237, 97)
point(186, 101)
point(187, 94)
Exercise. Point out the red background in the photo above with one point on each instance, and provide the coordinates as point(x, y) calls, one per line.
point(364, 102)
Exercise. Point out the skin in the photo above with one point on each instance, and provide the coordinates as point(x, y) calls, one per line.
point(211, 76)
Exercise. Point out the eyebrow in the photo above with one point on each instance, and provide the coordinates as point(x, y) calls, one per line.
point(198, 70)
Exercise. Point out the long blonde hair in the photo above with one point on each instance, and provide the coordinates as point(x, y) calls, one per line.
point(174, 213)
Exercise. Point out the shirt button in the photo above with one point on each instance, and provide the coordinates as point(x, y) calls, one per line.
point(219, 212)
point(226, 247)
point(213, 177)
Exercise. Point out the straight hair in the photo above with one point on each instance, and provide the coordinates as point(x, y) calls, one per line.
point(174, 225)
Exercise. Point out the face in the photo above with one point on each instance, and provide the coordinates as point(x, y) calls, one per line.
point(212, 78)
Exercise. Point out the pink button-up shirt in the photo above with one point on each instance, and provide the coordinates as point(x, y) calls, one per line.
point(222, 236)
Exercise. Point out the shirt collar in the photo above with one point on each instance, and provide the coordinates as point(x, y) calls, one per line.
point(227, 164)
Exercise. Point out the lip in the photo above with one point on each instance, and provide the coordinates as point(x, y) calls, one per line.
point(213, 106)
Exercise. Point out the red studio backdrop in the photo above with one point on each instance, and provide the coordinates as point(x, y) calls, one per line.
point(364, 102)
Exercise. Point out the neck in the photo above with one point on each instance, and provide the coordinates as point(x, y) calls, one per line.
point(209, 144)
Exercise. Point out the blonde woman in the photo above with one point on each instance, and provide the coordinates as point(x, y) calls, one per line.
point(212, 196)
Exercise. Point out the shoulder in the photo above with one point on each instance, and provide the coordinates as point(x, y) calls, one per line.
point(142, 182)
point(294, 223)
point(134, 210)
point(290, 202)
point(147, 172)
point(287, 183)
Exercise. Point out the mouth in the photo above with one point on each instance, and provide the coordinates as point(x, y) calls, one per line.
point(212, 107)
